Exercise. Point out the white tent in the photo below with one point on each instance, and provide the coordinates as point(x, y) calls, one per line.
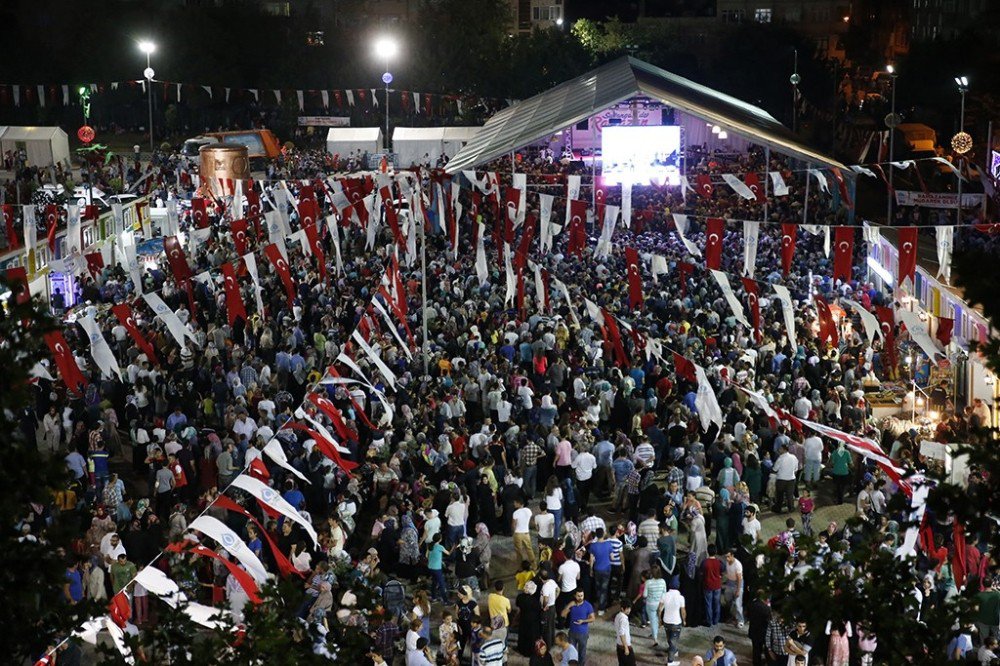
point(345, 140)
point(412, 143)
point(44, 146)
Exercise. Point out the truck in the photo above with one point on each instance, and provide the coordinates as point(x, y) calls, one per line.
point(261, 144)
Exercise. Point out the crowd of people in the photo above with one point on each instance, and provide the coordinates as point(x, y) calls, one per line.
point(620, 506)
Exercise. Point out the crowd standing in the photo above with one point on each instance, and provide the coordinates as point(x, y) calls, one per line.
point(619, 506)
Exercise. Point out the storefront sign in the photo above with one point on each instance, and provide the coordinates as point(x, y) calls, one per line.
point(938, 199)
point(324, 121)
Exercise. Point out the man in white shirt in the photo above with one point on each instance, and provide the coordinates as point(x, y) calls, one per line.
point(549, 595)
point(813, 446)
point(673, 616)
point(784, 470)
point(244, 427)
point(545, 524)
point(455, 517)
point(623, 635)
point(569, 578)
point(584, 465)
point(521, 527)
point(751, 526)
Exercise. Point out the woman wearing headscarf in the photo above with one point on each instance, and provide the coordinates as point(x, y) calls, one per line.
point(720, 512)
point(529, 613)
point(483, 547)
point(541, 655)
point(409, 549)
point(728, 476)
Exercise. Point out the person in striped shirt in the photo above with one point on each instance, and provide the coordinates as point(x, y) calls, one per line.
point(493, 651)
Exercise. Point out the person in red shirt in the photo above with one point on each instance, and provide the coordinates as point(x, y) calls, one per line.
point(180, 478)
point(712, 586)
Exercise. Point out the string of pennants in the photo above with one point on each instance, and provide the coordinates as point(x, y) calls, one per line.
point(430, 104)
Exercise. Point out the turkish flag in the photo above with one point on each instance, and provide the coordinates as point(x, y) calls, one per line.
point(177, 259)
point(90, 212)
point(907, 255)
point(843, 253)
point(326, 447)
point(788, 235)
point(241, 575)
point(600, 194)
point(684, 271)
point(634, 279)
point(308, 212)
point(613, 339)
point(124, 314)
point(51, 224)
point(13, 242)
point(312, 235)
point(827, 326)
point(252, 208)
point(545, 289)
point(753, 182)
point(120, 609)
point(944, 329)
point(845, 196)
point(704, 185)
point(887, 323)
point(95, 263)
point(577, 242)
point(392, 217)
point(306, 193)
point(258, 470)
point(714, 232)
point(235, 309)
point(524, 247)
point(684, 368)
point(284, 272)
point(18, 279)
point(70, 371)
point(238, 228)
point(512, 198)
point(199, 213)
point(753, 295)
point(324, 405)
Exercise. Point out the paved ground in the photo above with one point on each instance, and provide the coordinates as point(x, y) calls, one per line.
point(694, 640)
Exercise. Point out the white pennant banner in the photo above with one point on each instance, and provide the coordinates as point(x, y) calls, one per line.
point(788, 311)
point(751, 234)
point(778, 182)
point(178, 330)
point(945, 244)
point(99, 348)
point(681, 225)
point(228, 539)
point(273, 499)
point(738, 186)
point(727, 293)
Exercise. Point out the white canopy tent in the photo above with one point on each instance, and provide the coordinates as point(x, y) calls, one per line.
point(412, 143)
point(43, 146)
point(345, 140)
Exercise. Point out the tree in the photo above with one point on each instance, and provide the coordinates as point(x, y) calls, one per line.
point(34, 614)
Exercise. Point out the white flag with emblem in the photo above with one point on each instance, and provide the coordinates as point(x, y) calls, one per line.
point(228, 539)
point(520, 182)
point(658, 266)
point(751, 234)
point(331, 223)
point(172, 224)
point(705, 401)
point(871, 234)
point(273, 499)
point(603, 248)
point(545, 220)
point(74, 240)
point(482, 271)
point(511, 279)
point(945, 243)
point(374, 358)
point(627, 205)
point(251, 263)
point(276, 453)
point(169, 317)
point(99, 348)
point(788, 311)
point(868, 320)
point(780, 187)
point(824, 185)
point(727, 293)
point(681, 224)
point(572, 192)
point(738, 186)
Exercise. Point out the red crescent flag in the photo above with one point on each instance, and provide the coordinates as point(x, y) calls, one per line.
point(252, 209)
point(887, 322)
point(308, 212)
point(18, 279)
point(511, 201)
point(753, 182)
point(90, 212)
point(13, 242)
point(684, 271)
point(326, 447)
point(235, 309)
point(51, 224)
point(944, 329)
point(907, 255)
point(284, 272)
point(577, 242)
point(753, 295)
point(788, 235)
point(392, 217)
point(845, 196)
point(524, 248)
point(199, 212)
point(312, 235)
point(177, 259)
point(704, 185)
point(600, 194)
point(635, 300)
point(124, 314)
point(520, 290)
point(120, 609)
point(95, 263)
point(714, 232)
point(324, 405)
point(684, 368)
point(545, 288)
point(827, 326)
point(238, 228)
point(613, 339)
point(245, 580)
point(843, 253)
point(354, 403)
point(306, 193)
point(70, 371)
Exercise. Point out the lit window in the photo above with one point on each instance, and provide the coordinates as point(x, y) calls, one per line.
point(762, 15)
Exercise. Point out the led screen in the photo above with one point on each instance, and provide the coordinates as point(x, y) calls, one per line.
point(641, 155)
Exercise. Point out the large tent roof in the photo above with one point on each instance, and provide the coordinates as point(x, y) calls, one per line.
point(616, 82)
point(16, 133)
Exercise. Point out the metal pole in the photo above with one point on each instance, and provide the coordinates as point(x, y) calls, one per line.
point(805, 205)
point(386, 106)
point(425, 344)
point(150, 98)
point(795, 89)
point(961, 129)
point(767, 167)
point(892, 150)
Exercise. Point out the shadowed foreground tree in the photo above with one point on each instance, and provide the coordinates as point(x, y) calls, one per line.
point(885, 594)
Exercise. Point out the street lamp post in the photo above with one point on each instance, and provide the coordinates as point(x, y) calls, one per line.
point(386, 48)
point(963, 87)
point(148, 47)
point(892, 122)
point(795, 79)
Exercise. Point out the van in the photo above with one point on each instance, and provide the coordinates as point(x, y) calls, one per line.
point(261, 144)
